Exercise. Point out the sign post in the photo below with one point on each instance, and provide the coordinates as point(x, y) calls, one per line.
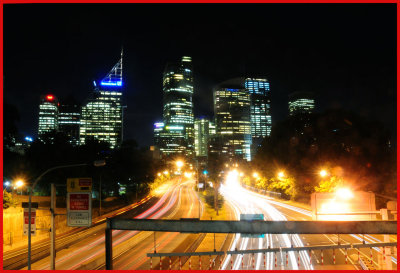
point(79, 202)
point(79, 209)
point(79, 184)
point(34, 206)
point(252, 217)
point(33, 221)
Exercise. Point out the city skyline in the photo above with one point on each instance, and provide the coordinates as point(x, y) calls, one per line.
point(343, 71)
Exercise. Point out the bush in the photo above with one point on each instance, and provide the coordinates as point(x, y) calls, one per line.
point(8, 200)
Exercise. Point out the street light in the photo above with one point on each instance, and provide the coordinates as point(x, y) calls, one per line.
point(97, 163)
point(281, 174)
point(179, 163)
point(19, 183)
point(255, 175)
point(323, 173)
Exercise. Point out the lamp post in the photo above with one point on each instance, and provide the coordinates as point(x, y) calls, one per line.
point(97, 163)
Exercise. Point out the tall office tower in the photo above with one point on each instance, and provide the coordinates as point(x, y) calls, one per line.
point(202, 131)
point(260, 111)
point(48, 115)
point(158, 128)
point(178, 133)
point(102, 116)
point(301, 103)
point(232, 118)
point(212, 129)
point(69, 119)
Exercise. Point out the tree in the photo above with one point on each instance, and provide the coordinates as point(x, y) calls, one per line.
point(9, 200)
point(285, 186)
point(215, 166)
point(330, 184)
point(335, 138)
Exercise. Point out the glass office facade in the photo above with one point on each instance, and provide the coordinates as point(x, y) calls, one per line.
point(178, 132)
point(260, 110)
point(233, 124)
point(102, 116)
point(48, 115)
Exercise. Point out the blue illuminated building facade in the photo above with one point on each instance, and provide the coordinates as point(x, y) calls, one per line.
point(177, 134)
point(102, 116)
point(260, 110)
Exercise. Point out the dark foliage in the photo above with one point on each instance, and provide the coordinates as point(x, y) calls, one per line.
point(352, 147)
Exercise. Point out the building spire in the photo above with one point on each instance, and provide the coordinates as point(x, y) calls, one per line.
point(114, 77)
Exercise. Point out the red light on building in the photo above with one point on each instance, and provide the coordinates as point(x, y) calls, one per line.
point(50, 97)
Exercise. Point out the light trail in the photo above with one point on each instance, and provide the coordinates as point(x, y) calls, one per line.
point(152, 213)
point(249, 203)
point(308, 213)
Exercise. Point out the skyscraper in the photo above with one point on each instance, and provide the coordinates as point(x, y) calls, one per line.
point(178, 132)
point(48, 115)
point(301, 103)
point(102, 116)
point(69, 119)
point(260, 110)
point(203, 128)
point(232, 118)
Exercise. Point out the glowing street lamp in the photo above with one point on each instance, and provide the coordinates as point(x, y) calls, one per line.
point(255, 175)
point(281, 174)
point(19, 184)
point(179, 163)
point(165, 172)
point(323, 173)
point(159, 174)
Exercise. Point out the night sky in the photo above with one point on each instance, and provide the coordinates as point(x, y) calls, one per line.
point(344, 53)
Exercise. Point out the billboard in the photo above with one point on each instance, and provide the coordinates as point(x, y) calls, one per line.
point(343, 206)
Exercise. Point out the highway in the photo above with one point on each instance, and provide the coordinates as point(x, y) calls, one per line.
point(179, 200)
point(244, 201)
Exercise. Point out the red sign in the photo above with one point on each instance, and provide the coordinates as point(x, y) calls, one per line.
point(33, 213)
point(78, 201)
point(27, 220)
point(85, 182)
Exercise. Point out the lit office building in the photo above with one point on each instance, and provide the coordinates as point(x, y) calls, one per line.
point(178, 132)
point(260, 110)
point(203, 128)
point(48, 115)
point(168, 139)
point(301, 103)
point(232, 118)
point(69, 119)
point(102, 116)
point(158, 128)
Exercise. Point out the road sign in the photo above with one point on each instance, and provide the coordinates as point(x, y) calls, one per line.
point(328, 206)
point(80, 184)
point(79, 209)
point(33, 205)
point(252, 217)
point(26, 221)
